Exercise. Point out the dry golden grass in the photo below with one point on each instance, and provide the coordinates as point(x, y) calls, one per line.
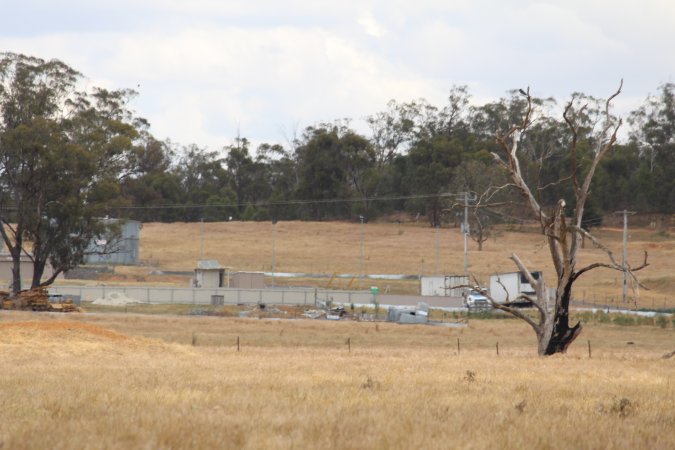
point(130, 381)
point(333, 247)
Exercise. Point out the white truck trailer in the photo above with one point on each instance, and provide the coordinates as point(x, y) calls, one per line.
point(443, 285)
point(512, 288)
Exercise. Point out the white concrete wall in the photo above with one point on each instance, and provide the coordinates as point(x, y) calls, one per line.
point(272, 296)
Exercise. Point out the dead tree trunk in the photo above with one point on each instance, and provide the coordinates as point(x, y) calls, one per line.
point(553, 330)
point(480, 232)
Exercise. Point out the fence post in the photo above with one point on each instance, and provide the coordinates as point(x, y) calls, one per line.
point(589, 348)
point(457, 346)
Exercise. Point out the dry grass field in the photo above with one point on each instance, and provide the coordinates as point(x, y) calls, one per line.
point(109, 380)
point(390, 248)
point(116, 381)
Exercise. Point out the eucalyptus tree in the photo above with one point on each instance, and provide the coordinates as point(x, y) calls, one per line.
point(441, 139)
point(653, 131)
point(333, 163)
point(281, 177)
point(62, 154)
point(152, 183)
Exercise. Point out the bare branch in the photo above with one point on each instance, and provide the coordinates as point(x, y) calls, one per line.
point(516, 312)
point(555, 183)
point(512, 164)
point(630, 271)
point(533, 282)
point(513, 311)
point(603, 146)
point(574, 128)
point(609, 100)
point(614, 263)
point(597, 243)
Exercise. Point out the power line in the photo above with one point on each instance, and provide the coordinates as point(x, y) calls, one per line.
point(281, 203)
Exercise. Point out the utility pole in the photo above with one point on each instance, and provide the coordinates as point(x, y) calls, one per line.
point(465, 229)
point(201, 249)
point(361, 218)
point(625, 251)
point(438, 251)
point(466, 232)
point(274, 235)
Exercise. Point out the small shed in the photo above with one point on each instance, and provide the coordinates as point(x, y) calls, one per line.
point(248, 280)
point(443, 285)
point(209, 274)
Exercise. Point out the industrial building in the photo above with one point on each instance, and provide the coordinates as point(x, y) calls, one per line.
point(123, 251)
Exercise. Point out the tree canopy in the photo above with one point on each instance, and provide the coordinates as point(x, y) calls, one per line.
point(416, 157)
point(70, 156)
point(62, 155)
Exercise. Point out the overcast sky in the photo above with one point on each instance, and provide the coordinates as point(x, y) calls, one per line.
point(209, 70)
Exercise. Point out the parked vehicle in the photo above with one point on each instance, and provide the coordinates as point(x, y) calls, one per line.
point(474, 299)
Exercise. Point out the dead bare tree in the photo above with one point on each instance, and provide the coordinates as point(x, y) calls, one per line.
point(562, 234)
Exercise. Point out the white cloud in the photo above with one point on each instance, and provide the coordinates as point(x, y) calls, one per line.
point(210, 69)
point(370, 25)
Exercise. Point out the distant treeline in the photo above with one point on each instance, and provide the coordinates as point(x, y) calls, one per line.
point(418, 158)
point(82, 153)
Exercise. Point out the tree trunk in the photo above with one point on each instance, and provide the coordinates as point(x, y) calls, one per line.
point(556, 335)
point(38, 271)
point(14, 247)
point(15, 251)
point(16, 271)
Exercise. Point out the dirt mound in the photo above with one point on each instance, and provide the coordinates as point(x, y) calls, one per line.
point(58, 330)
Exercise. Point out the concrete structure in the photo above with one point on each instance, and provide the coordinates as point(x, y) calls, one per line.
point(248, 280)
point(6, 265)
point(209, 274)
point(121, 252)
point(270, 296)
point(443, 285)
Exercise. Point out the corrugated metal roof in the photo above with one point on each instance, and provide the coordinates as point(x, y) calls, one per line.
point(208, 264)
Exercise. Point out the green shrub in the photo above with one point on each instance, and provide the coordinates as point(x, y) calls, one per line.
point(603, 317)
point(662, 321)
point(623, 320)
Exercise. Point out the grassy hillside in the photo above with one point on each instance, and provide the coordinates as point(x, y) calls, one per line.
point(390, 248)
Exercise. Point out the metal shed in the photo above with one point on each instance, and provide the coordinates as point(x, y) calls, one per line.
point(123, 252)
point(209, 274)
